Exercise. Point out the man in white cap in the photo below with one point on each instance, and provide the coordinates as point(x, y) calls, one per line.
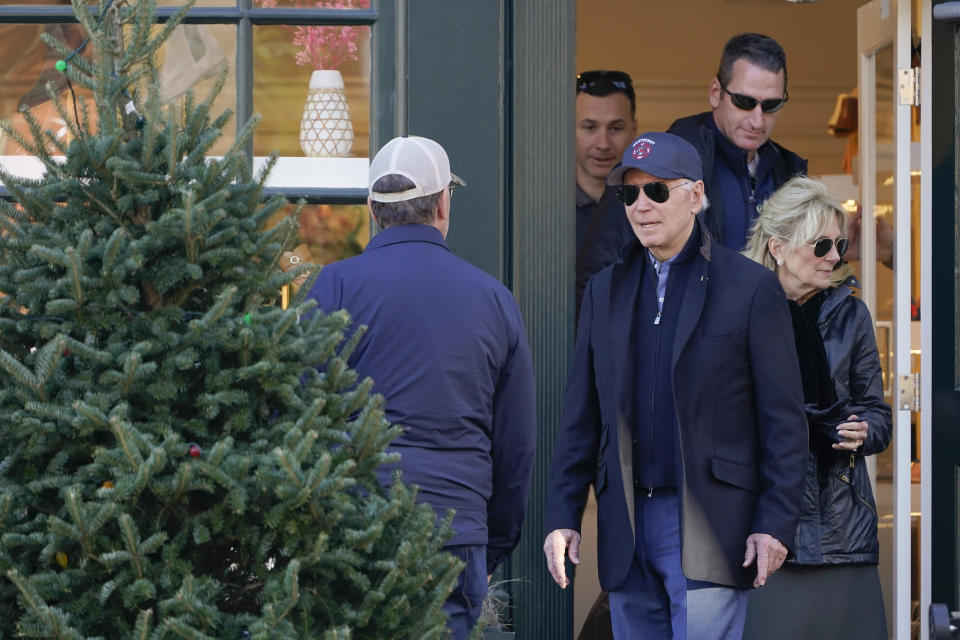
point(447, 349)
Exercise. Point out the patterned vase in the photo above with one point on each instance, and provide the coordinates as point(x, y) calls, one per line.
point(326, 129)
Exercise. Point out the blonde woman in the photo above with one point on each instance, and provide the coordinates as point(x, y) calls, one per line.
point(829, 587)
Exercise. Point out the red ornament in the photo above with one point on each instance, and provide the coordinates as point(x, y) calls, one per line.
point(67, 353)
point(195, 451)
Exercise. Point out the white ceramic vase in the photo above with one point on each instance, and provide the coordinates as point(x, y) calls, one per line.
point(326, 129)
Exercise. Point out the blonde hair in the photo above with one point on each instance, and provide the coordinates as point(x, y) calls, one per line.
point(797, 213)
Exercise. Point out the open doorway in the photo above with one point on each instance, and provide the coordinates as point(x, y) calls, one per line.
point(671, 52)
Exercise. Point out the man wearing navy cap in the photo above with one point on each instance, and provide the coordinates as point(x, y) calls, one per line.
point(684, 409)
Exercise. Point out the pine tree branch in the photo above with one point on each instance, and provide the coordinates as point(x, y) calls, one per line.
point(55, 622)
point(141, 630)
point(132, 538)
point(103, 205)
point(188, 238)
point(120, 430)
point(75, 274)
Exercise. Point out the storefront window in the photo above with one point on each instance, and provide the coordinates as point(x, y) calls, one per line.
point(281, 88)
point(280, 92)
point(301, 120)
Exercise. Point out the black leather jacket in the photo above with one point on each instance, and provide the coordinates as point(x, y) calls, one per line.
point(838, 520)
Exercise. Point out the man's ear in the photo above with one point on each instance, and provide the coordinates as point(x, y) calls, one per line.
point(372, 214)
point(696, 196)
point(443, 206)
point(716, 93)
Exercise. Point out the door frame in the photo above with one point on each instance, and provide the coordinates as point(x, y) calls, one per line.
point(882, 23)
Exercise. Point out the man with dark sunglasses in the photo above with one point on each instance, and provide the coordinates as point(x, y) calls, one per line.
point(605, 120)
point(742, 166)
point(684, 410)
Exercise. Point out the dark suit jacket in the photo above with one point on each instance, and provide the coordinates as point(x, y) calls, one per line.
point(739, 404)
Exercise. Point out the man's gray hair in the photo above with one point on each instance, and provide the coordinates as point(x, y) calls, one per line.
point(704, 202)
point(421, 210)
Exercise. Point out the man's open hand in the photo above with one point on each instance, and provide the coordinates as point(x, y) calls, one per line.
point(768, 552)
point(555, 547)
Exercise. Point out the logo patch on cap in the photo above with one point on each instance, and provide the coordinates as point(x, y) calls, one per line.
point(642, 148)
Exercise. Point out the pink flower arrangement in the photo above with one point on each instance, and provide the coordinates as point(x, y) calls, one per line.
point(325, 47)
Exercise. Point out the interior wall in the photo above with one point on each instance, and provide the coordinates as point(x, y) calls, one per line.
point(672, 49)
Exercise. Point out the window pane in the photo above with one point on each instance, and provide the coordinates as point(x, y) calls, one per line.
point(330, 232)
point(198, 3)
point(334, 232)
point(34, 2)
point(313, 4)
point(28, 65)
point(191, 60)
point(282, 88)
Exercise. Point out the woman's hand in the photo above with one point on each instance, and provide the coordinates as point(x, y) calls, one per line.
point(853, 433)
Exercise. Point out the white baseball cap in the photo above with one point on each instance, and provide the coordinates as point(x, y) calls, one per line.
point(420, 160)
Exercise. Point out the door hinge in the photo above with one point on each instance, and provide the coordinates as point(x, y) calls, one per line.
point(909, 392)
point(910, 86)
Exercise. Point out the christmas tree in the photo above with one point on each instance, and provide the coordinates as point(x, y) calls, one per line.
point(180, 457)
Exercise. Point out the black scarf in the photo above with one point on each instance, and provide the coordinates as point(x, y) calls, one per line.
point(818, 389)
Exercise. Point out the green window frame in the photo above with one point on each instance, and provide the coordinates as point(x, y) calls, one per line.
point(384, 89)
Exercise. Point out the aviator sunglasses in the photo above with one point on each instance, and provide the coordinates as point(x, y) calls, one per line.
point(603, 81)
point(823, 245)
point(747, 103)
point(658, 192)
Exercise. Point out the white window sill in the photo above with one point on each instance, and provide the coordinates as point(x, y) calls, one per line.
point(289, 173)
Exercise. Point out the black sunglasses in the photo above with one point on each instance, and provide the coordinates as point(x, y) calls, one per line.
point(747, 103)
point(604, 81)
point(823, 245)
point(658, 192)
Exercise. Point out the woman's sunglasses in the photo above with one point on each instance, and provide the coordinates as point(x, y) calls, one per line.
point(658, 192)
point(823, 245)
point(747, 103)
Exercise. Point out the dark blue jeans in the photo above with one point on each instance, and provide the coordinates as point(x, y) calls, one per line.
point(466, 601)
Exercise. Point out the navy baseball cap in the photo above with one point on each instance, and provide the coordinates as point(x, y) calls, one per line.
point(662, 155)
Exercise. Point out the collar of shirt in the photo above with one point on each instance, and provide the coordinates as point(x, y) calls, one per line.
point(662, 269)
point(407, 233)
point(736, 157)
point(583, 198)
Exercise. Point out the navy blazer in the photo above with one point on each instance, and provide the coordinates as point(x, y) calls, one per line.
point(739, 404)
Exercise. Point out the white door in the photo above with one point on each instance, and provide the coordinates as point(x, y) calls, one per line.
point(894, 178)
